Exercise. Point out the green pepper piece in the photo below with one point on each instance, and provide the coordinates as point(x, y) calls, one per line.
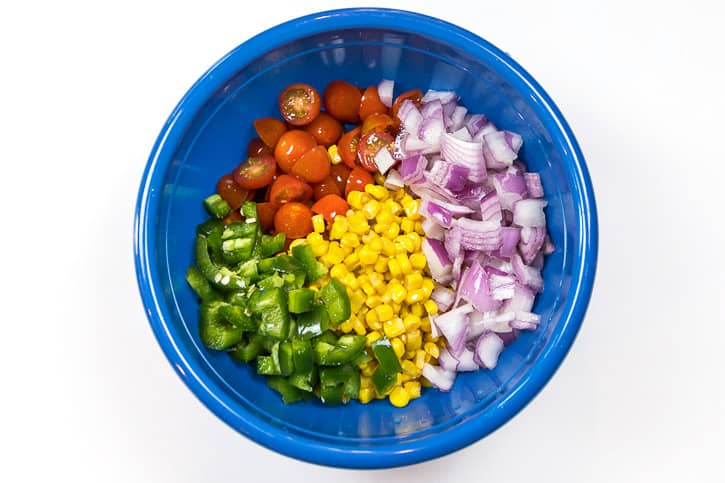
point(212, 229)
point(216, 206)
point(363, 358)
point(237, 298)
point(215, 332)
point(269, 245)
point(286, 264)
point(346, 349)
point(265, 265)
point(248, 271)
point(271, 307)
point(237, 316)
point(239, 229)
point(327, 336)
point(305, 382)
point(313, 323)
point(272, 281)
point(268, 343)
point(249, 211)
point(304, 254)
point(332, 395)
point(345, 376)
point(237, 250)
point(302, 356)
point(290, 394)
point(383, 381)
point(246, 351)
point(385, 355)
point(201, 285)
point(301, 300)
point(220, 277)
point(268, 366)
point(285, 357)
point(336, 300)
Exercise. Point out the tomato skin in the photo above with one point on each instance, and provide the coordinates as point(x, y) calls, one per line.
point(380, 121)
point(266, 212)
point(330, 206)
point(256, 147)
point(327, 186)
point(370, 103)
point(231, 192)
point(291, 146)
point(313, 166)
point(299, 104)
point(269, 130)
point(339, 174)
point(369, 146)
point(347, 147)
point(325, 129)
point(294, 220)
point(357, 180)
point(342, 101)
point(255, 172)
point(233, 216)
point(415, 95)
point(287, 189)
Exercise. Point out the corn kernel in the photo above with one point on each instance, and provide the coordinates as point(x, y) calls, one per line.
point(376, 244)
point(432, 349)
point(410, 368)
point(394, 267)
point(394, 328)
point(411, 322)
point(371, 209)
point(385, 312)
point(334, 154)
point(417, 309)
point(419, 228)
point(402, 378)
point(366, 394)
point(358, 224)
point(365, 381)
point(377, 192)
point(354, 199)
point(349, 240)
point(397, 291)
point(335, 254)
point(357, 299)
point(384, 218)
point(318, 223)
point(388, 247)
point(339, 227)
point(367, 256)
point(398, 346)
point(412, 388)
point(338, 271)
point(376, 324)
point(425, 325)
point(411, 209)
point(399, 397)
point(428, 286)
point(373, 300)
point(420, 359)
point(374, 335)
point(405, 266)
point(350, 281)
point(413, 281)
point(414, 340)
point(381, 265)
point(410, 355)
point(358, 326)
point(417, 261)
point(431, 307)
point(407, 225)
point(376, 280)
point(392, 231)
point(416, 241)
point(346, 326)
point(392, 207)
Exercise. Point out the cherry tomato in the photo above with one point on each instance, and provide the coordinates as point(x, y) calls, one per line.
point(313, 166)
point(327, 186)
point(256, 147)
point(233, 216)
point(357, 180)
point(255, 172)
point(380, 121)
point(288, 188)
point(299, 104)
point(294, 220)
point(369, 146)
point(370, 103)
point(325, 129)
point(339, 173)
point(265, 212)
point(232, 193)
point(347, 147)
point(293, 144)
point(269, 130)
point(416, 95)
point(330, 206)
point(342, 100)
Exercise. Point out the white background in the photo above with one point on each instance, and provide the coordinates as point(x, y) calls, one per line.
point(87, 393)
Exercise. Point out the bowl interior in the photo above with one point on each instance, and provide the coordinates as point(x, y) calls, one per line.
point(214, 142)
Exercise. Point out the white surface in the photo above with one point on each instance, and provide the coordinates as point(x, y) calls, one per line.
point(88, 395)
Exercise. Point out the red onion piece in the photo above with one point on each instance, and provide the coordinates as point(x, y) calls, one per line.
point(410, 117)
point(509, 240)
point(439, 264)
point(474, 287)
point(532, 239)
point(533, 185)
point(411, 169)
point(383, 160)
point(500, 149)
point(530, 212)
point(527, 275)
point(488, 348)
point(453, 325)
point(443, 297)
point(393, 181)
point(444, 97)
point(385, 92)
point(522, 300)
point(464, 153)
point(439, 378)
point(474, 123)
point(433, 229)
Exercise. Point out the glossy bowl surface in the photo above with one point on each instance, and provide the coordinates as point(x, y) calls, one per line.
point(205, 137)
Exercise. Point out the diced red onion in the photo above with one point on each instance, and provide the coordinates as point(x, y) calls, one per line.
point(439, 378)
point(410, 117)
point(509, 240)
point(530, 212)
point(527, 275)
point(549, 247)
point(465, 361)
point(411, 169)
point(473, 287)
point(533, 185)
point(442, 216)
point(495, 321)
point(452, 241)
point(532, 239)
point(522, 300)
point(439, 264)
point(479, 235)
point(457, 265)
point(446, 360)
point(443, 96)
point(393, 181)
point(385, 92)
point(383, 160)
point(491, 208)
point(510, 187)
point(443, 297)
point(453, 325)
point(526, 321)
point(487, 128)
point(488, 348)
point(432, 127)
point(433, 229)
point(474, 123)
point(500, 148)
point(464, 153)
point(457, 117)
point(462, 134)
point(501, 286)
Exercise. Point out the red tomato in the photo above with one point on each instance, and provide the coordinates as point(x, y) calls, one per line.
point(255, 172)
point(232, 193)
point(325, 129)
point(342, 100)
point(330, 206)
point(327, 186)
point(266, 212)
point(294, 220)
point(369, 146)
point(347, 147)
point(339, 173)
point(380, 121)
point(357, 180)
point(313, 166)
point(233, 216)
point(269, 129)
point(256, 147)
point(370, 103)
point(299, 104)
point(288, 188)
point(291, 146)
point(416, 95)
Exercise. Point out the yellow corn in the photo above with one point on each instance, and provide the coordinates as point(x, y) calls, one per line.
point(407, 225)
point(373, 336)
point(410, 368)
point(366, 394)
point(381, 265)
point(411, 322)
point(394, 327)
point(367, 256)
point(392, 231)
point(414, 340)
point(413, 281)
point(432, 349)
point(334, 154)
point(398, 346)
point(420, 359)
point(431, 307)
point(349, 240)
point(399, 397)
point(339, 227)
point(385, 312)
point(377, 192)
point(412, 388)
point(398, 292)
point(318, 223)
point(358, 326)
point(417, 261)
point(346, 326)
point(338, 271)
point(417, 308)
point(405, 266)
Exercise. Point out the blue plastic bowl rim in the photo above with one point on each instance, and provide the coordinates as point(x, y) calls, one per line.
point(308, 449)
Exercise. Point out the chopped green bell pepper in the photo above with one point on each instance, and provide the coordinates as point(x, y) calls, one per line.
point(286, 264)
point(302, 356)
point(246, 351)
point(313, 323)
point(336, 301)
point(237, 316)
point(346, 349)
point(304, 254)
point(290, 394)
point(383, 381)
point(216, 332)
point(384, 353)
point(198, 282)
point(216, 206)
point(269, 245)
point(301, 300)
point(270, 306)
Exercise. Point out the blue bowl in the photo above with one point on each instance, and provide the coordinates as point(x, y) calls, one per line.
point(205, 137)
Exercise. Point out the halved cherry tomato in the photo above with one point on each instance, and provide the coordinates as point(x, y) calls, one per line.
point(231, 192)
point(255, 172)
point(369, 146)
point(330, 206)
point(357, 180)
point(299, 104)
point(291, 146)
point(294, 220)
point(313, 166)
point(342, 100)
point(233, 216)
point(256, 147)
point(327, 186)
point(347, 147)
point(370, 103)
point(339, 173)
point(416, 95)
point(325, 129)
point(265, 212)
point(269, 130)
point(288, 188)
point(380, 121)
